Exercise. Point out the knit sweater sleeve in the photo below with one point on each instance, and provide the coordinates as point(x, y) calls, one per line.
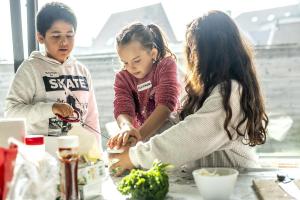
point(197, 136)
point(123, 101)
point(19, 101)
point(168, 89)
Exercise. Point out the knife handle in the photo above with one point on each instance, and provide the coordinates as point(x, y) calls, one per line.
point(282, 177)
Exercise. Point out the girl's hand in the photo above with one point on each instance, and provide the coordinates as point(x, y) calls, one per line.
point(128, 136)
point(123, 164)
point(63, 109)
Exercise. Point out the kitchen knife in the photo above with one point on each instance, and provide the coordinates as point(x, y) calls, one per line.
point(288, 185)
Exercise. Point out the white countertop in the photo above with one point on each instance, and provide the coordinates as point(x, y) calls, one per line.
point(182, 186)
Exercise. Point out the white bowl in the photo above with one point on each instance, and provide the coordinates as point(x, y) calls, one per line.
point(215, 183)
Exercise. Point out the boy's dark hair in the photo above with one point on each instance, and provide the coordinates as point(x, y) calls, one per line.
point(52, 12)
point(217, 53)
point(150, 36)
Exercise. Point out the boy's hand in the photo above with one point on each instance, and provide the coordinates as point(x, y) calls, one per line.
point(62, 109)
point(127, 136)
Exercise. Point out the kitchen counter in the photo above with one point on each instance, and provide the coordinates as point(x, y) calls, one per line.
point(182, 185)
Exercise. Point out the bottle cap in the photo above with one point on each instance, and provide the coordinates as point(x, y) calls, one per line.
point(69, 141)
point(34, 139)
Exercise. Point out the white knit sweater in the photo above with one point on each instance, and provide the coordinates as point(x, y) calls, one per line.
point(200, 139)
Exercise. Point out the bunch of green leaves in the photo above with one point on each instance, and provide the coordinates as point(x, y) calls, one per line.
point(146, 185)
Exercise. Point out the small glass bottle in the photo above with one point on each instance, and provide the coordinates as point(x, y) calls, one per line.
point(36, 146)
point(68, 156)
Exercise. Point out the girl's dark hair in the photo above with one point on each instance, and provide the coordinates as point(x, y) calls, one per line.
point(150, 36)
point(216, 54)
point(52, 12)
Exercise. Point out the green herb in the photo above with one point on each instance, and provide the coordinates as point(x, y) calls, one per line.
point(146, 185)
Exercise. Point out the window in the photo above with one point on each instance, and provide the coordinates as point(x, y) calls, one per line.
point(6, 53)
point(99, 22)
point(254, 19)
point(271, 17)
point(287, 14)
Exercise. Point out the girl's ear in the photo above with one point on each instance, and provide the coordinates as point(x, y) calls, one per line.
point(40, 38)
point(154, 53)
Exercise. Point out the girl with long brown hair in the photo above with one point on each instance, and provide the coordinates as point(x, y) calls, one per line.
point(223, 115)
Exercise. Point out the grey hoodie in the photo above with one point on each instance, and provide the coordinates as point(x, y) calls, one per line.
point(41, 81)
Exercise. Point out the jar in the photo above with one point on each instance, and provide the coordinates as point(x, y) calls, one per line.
point(36, 146)
point(68, 156)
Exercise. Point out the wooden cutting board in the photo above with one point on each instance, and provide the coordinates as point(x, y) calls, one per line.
point(268, 189)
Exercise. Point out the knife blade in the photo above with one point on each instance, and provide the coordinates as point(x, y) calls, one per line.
point(288, 185)
point(291, 189)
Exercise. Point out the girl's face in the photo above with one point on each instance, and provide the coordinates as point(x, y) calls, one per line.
point(137, 60)
point(58, 40)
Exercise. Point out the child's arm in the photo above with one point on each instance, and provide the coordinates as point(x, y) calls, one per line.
point(126, 130)
point(124, 120)
point(123, 102)
point(124, 110)
point(166, 97)
point(197, 136)
point(152, 124)
point(154, 121)
point(20, 99)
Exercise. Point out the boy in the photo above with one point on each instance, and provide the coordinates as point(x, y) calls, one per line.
point(53, 83)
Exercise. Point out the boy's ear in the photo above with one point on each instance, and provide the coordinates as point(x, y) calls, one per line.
point(40, 38)
point(154, 53)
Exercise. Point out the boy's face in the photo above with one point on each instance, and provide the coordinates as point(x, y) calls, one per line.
point(136, 59)
point(58, 40)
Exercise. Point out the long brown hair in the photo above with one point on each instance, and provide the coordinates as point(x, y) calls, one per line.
point(150, 36)
point(216, 54)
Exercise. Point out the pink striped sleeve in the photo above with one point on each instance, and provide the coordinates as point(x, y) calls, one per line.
point(168, 88)
point(123, 101)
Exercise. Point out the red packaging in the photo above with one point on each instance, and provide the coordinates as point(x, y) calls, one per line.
point(7, 161)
